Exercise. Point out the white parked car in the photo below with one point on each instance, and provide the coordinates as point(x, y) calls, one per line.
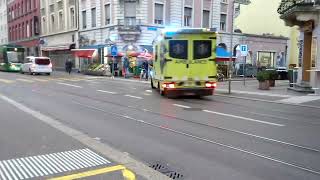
point(37, 65)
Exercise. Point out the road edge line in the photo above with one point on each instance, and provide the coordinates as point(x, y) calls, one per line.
point(117, 156)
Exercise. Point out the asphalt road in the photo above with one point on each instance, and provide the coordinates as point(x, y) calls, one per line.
point(216, 137)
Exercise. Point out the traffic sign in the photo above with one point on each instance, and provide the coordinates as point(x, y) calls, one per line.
point(114, 50)
point(244, 49)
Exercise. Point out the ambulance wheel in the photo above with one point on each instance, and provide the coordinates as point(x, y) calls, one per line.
point(160, 91)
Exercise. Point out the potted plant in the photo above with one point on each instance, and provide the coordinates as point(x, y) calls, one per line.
point(263, 78)
point(273, 76)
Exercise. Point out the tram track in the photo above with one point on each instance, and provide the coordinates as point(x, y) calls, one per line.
point(201, 138)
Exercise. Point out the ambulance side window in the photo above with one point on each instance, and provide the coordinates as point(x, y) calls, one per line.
point(202, 49)
point(178, 49)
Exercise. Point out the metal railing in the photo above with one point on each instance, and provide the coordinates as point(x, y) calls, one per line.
point(287, 5)
point(129, 24)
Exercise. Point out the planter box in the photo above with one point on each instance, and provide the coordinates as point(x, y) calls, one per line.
point(264, 85)
point(272, 83)
point(96, 73)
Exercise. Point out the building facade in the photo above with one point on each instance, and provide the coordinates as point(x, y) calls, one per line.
point(271, 24)
point(3, 22)
point(24, 25)
point(305, 14)
point(137, 23)
point(59, 30)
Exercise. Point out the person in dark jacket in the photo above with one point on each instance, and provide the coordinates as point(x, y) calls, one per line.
point(69, 65)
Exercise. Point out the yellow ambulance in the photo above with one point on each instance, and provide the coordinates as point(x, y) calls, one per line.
point(184, 62)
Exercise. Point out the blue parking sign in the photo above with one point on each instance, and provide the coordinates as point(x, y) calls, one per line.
point(114, 50)
point(244, 50)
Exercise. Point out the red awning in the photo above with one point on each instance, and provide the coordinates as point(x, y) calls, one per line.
point(84, 53)
point(120, 54)
point(223, 59)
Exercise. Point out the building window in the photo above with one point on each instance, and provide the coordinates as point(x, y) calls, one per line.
point(34, 4)
point(223, 22)
point(107, 14)
point(130, 13)
point(22, 31)
point(206, 19)
point(61, 23)
point(44, 25)
point(29, 5)
point(158, 14)
point(84, 19)
point(72, 18)
point(93, 17)
point(28, 29)
point(187, 16)
point(36, 25)
point(31, 28)
point(52, 19)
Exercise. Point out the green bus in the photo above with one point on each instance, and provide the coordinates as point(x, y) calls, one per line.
point(11, 58)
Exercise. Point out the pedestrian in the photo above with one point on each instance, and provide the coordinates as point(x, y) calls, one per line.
point(69, 65)
point(146, 68)
point(125, 64)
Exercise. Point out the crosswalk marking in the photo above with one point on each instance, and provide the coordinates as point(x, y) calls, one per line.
point(49, 164)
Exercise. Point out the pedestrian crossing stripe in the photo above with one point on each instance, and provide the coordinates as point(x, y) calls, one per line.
point(49, 164)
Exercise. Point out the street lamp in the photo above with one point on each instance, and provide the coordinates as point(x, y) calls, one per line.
point(244, 2)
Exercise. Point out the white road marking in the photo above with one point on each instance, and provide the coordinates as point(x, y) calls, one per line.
point(244, 118)
point(25, 80)
point(136, 97)
point(16, 163)
point(212, 142)
point(14, 169)
point(146, 94)
point(182, 106)
point(6, 81)
point(71, 85)
point(2, 174)
point(5, 171)
point(25, 169)
point(10, 170)
point(300, 99)
point(17, 169)
point(109, 92)
point(24, 160)
point(118, 156)
point(148, 90)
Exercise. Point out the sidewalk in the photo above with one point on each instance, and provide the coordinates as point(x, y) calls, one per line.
point(251, 87)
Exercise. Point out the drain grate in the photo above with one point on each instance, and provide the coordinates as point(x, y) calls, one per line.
point(164, 169)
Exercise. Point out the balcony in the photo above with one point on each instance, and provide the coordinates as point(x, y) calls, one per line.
point(130, 25)
point(129, 28)
point(295, 12)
